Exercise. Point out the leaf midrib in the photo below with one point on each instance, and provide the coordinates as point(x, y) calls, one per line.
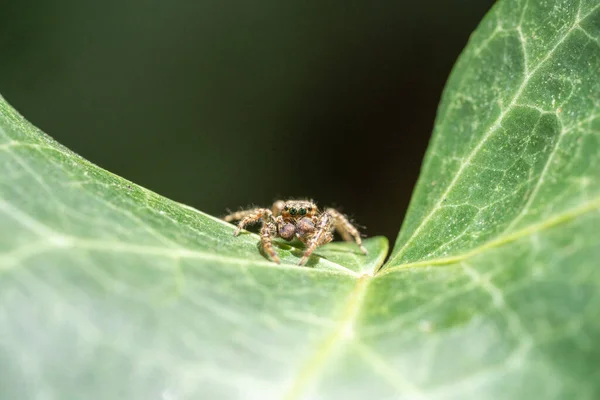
point(590, 206)
point(344, 330)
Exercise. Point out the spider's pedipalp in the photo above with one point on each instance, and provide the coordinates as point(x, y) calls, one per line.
point(305, 226)
point(286, 230)
point(348, 232)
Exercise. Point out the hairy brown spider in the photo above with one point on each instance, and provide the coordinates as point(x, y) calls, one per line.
point(296, 219)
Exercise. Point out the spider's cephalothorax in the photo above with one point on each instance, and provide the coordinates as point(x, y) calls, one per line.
point(299, 219)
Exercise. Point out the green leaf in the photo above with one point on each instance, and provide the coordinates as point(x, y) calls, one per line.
point(496, 264)
point(113, 291)
point(108, 290)
point(515, 144)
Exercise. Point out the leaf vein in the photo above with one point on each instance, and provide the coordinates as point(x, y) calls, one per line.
point(591, 206)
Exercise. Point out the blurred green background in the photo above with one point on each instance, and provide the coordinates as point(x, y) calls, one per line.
point(222, 104)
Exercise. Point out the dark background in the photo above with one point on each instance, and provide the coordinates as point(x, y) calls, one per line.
point(221, 104)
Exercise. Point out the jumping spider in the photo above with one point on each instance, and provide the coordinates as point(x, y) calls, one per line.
point(296, 219)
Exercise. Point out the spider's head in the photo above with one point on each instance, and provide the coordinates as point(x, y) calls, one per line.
point(297, 215)
point(295, 210)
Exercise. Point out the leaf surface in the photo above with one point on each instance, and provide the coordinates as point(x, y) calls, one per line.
point(495, 271)
point(108, 290)
point(113, 291)
point(515, 142)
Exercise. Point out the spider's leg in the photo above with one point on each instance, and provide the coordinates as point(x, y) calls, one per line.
point(251, 217)
point(321, 236)
point(239, 215)
point(348, 232)
point(278, 207)
point(266, 236)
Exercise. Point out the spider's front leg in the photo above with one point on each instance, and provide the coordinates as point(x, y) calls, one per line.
point(278, 207)
point(249, 217)
point(267, 232)
point(348, 232)
point(322, 235)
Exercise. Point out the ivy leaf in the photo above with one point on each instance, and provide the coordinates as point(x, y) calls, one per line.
point(113, 291)
point(515, 143)
point(108, 290)
point(496, 264)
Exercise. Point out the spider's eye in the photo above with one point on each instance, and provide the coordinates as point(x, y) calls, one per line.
point(293, 211)
point(309, 209)
point(285, 208)
point(302, 211)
